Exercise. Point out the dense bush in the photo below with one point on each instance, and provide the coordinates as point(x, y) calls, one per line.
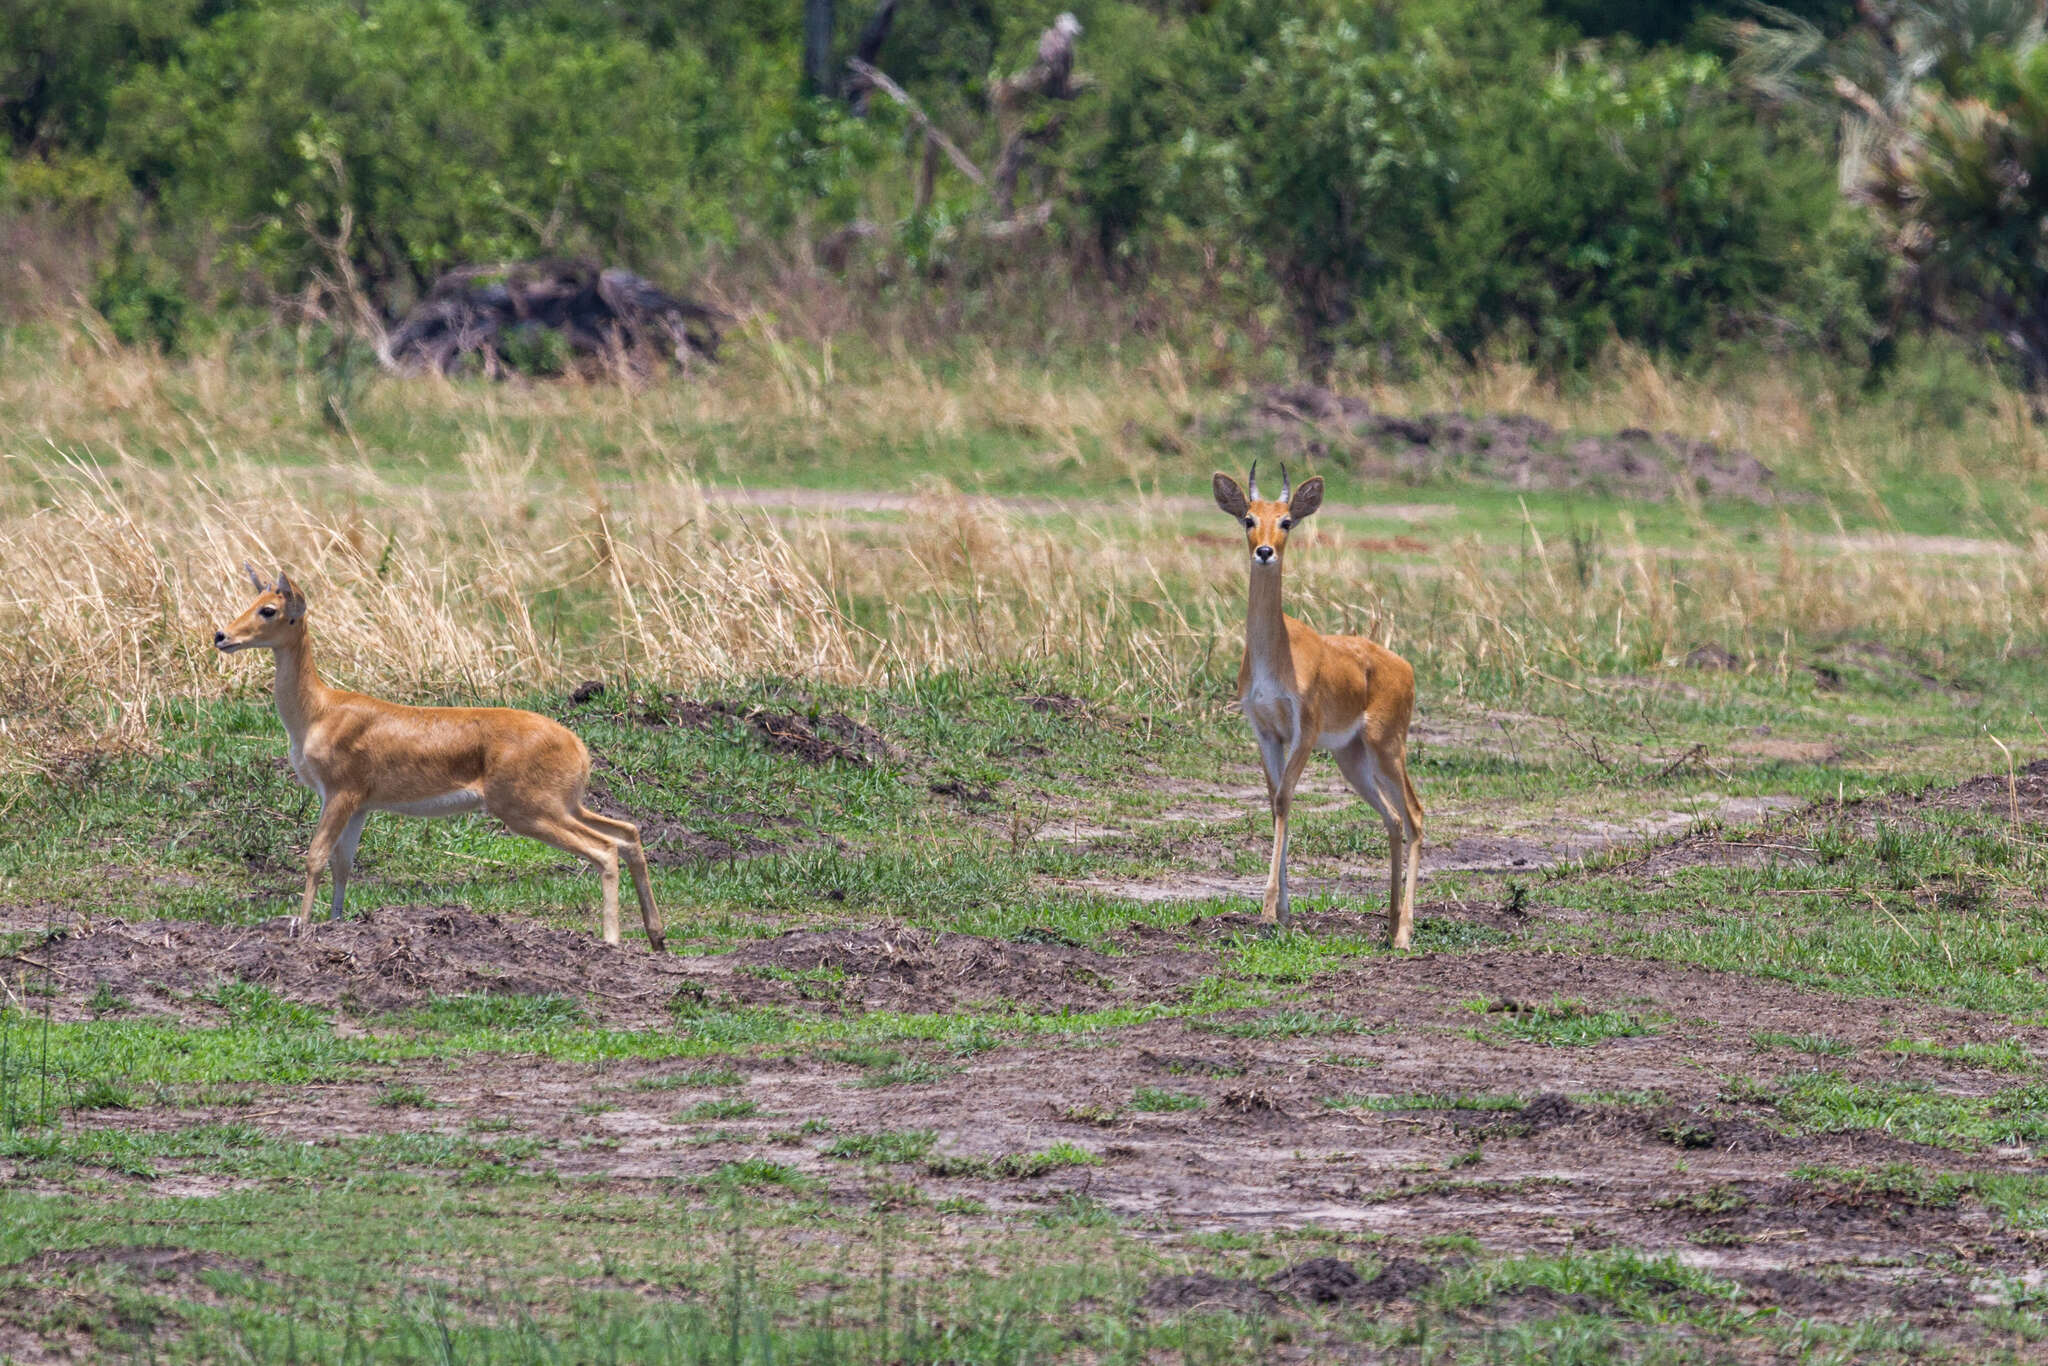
point(1635, 198)
point(436, 142)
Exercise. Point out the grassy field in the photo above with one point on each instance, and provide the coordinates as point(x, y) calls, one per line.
point(1721, 1040)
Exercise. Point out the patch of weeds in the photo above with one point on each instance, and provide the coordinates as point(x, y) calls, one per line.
point(756, 1171)
point(1565, 1023)
point(1285, 1024)
point(509, 1014)
point(722, 1108)
point(1155, 1101)
point(1014, 1165)
point(1764, 1040)
point(104, 1001)
point(734, 1027)
point(888, 1146)
point(1719, 1198)
point(960, 1204)
point(249, 1004)
point(596, 1107)
point(1897, 1182)
point(886, 1195)
point(1076, 1210)
point(1685, 1133)
point(696, 1079)
point(1102, 1116)
point(2007, 1055)
point(1226, 1241)
point(915, 1072)
point(101, 1093)
point(1716, 1236)
point(1825, 1102)
point(1345, 1060)
point(405, 1097)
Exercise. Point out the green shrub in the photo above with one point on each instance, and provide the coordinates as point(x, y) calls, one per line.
point(1632, 197)
point(143, 299)
point(434, 142)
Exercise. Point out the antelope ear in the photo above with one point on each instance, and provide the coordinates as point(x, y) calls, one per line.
point(294, 600)
point(1306, 499)
point(1229, 496)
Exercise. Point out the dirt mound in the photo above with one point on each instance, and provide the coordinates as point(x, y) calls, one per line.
point(1203, 1291)
point(909, 968)
point(388, 960)
point(487, 318)
point(1512, 449)
point(1322, 1280)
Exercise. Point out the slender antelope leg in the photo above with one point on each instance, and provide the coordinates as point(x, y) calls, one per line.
point(344, 861)
point(627, 836)
point(1364, 774)
point(1413, 809)
point(571, 835)
point(335, 816)
point(1278, 908)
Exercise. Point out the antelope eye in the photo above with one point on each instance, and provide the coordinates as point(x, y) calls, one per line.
point(1251, 521)
point(1286, 522)
point(266, 611)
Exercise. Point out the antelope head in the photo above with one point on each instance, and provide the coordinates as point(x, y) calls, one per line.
point(1267, 521)
point(276, 617)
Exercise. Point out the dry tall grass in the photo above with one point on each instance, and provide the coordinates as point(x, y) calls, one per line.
point(132, 491)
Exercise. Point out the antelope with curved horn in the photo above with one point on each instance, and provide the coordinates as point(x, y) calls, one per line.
point(363, 754)
point(1302, 691)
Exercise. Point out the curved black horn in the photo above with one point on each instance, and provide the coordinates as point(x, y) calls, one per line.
point(1286, 489)
point(1253, 482)
point(255, 577)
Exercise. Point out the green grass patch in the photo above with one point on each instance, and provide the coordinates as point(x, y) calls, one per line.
point(1820, 1045)
point(887, 1146)
point(1014, 1166)
point(1156, 1101)
point(1565, 1023)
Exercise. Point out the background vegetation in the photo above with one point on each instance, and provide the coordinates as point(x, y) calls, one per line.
point(1364, 183)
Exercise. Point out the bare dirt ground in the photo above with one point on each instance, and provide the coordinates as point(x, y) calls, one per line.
point(1334, 1112)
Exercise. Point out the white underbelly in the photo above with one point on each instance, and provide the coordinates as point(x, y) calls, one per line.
point(456, 803)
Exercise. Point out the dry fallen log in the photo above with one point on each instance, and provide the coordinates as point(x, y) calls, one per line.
point(478, 317)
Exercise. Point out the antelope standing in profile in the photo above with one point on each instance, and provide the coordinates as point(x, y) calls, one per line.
point(1303, 691)
point(362, 754)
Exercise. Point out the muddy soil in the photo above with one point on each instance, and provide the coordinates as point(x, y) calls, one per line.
point(1511, 449)
point(389, 960)
point(919, 970)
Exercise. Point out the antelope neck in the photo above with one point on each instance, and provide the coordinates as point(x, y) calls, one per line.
point(298, 684)
point(1265, 627)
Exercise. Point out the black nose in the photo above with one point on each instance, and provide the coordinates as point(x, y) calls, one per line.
point(220, 637)
point(1264, 552)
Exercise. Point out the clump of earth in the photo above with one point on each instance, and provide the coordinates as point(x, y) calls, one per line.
point(1506, 448)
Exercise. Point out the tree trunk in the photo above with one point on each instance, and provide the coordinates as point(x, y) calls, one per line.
point(819, 75)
